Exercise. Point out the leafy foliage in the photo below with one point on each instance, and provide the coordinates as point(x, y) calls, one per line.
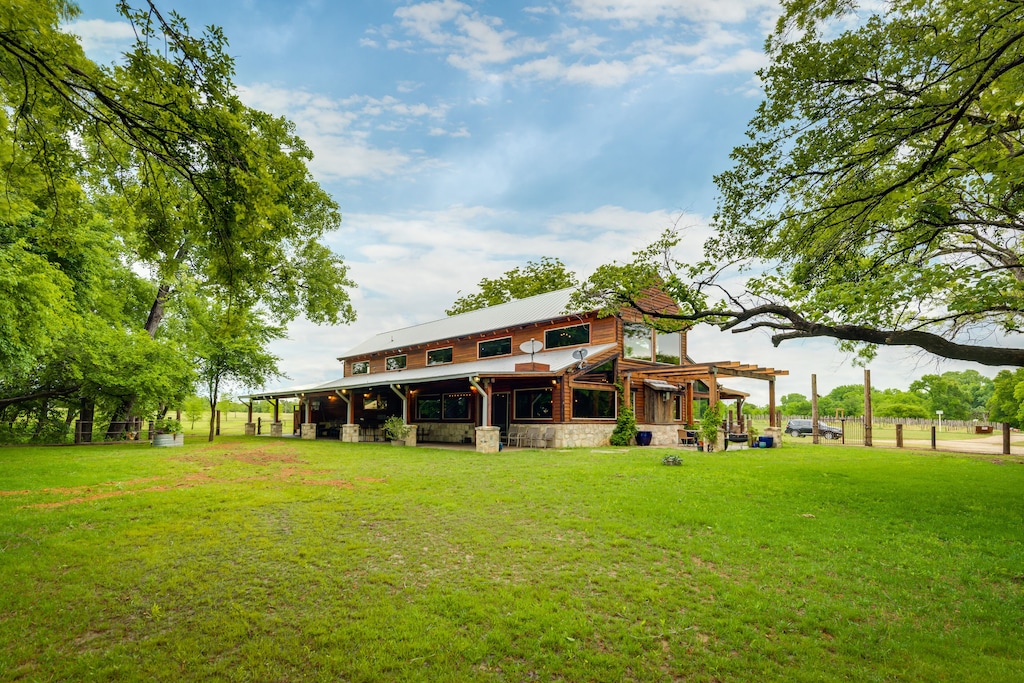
point(879, 199)
point(1007, 401)
point(537, 277)
point(129, 188)
point(625, 426)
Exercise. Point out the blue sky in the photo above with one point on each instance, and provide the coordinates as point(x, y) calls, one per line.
point(463, 138)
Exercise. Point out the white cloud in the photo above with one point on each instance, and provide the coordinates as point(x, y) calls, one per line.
point(688, 37)
point(631, 12)
point(104, 41)
point(339, 131)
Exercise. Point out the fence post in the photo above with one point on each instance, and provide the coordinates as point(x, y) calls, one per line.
point(1006, 438)
point(933, 437)
point(815, 435)
point(218, 423)
point(867, 408)
point(899, 436)
point(78, 432)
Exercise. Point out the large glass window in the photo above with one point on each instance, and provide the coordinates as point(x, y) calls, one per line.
point(533, 404)
point(456, 406)
point(567, 336)
point(668, 347)
point(428, 407)
point(637, 341)
point(593, 403)
point(361, 367)
point(395, 363)
point(494, 347)
point(439, 356)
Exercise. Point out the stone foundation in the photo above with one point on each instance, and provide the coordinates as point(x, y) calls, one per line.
point(488, 439)
point(446, 432)
point(276, 429)
point(250, 429)
point(349, 433)
point(308, 430)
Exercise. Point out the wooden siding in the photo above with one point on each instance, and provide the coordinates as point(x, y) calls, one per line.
point(464, 349)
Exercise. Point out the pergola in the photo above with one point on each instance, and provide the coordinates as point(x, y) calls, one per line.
point(709, 374)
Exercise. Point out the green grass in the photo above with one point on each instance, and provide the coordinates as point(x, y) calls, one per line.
point(260, 559)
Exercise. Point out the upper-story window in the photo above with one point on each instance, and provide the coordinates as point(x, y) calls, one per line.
point(494, 347)
point(395, 362)
point(567, 336)
point(361, 367)
point(439, 356)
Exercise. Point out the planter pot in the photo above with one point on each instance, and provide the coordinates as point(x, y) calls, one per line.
point(397, 442)
point(168, 440)
point(644, 438)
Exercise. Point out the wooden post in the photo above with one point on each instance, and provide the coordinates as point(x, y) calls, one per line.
point(815, 436)
point(218, 423)
point(867, 408)
point(78, 432)
point(1006, 438)
point(933, 437)
point(899, 436)
point(250, 412)
point(277, 409)
point(773, 421)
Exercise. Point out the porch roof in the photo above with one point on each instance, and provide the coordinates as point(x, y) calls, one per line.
point(558, 360)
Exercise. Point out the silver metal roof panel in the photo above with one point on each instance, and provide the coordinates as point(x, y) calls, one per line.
point(520, 312)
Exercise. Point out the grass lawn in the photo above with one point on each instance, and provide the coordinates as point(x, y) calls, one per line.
point(260, 559)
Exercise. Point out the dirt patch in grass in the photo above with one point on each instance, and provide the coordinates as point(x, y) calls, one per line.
point(289, 475)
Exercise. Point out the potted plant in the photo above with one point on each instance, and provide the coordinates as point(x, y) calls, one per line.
point(396, 430)
point(167, 432)
point(710, 423)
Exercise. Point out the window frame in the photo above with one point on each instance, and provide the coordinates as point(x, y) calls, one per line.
point(538, 390)
point(360, 363)
point(611, 392)
point(566, 327)
point(387, 362)
point(495, 339)
point(451, 356)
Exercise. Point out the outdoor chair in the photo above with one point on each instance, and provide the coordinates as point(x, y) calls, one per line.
point(515, 435)
point(687, 437)
point(548, 440)
point(532, 437)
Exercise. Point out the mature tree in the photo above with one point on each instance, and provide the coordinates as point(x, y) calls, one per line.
point(536, 277)
point(898, 403)
point(795, 404)
point(847, 399)
point(942, 393)
point(152, 164)
point(1007, 401)
point(229, 349)
point(879, 201)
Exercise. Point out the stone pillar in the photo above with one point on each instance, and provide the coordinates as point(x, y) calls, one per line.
point(776, 434)
point(350, 433)
point(275, 429)
point(488, 439)
point(308, 430)
point(410, 439)
point(250, 429)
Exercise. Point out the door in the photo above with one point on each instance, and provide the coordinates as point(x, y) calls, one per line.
point(500, 411)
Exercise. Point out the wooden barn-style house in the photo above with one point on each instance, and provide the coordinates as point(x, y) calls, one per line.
point(523, 373)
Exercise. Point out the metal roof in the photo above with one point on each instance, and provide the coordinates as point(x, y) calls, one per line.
point(558, 360)
point(520, 312)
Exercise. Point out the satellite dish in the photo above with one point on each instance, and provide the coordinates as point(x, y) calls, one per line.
point(579, 354)
point(532, 346)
